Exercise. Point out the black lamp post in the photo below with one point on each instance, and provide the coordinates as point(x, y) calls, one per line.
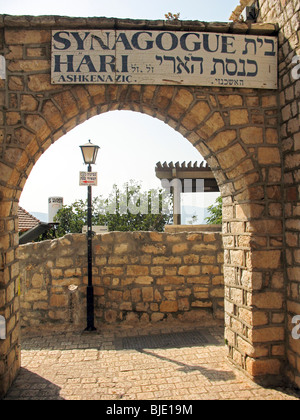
point(89, 153)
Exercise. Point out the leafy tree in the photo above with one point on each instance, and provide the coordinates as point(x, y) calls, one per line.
point(215, 213)
point(126, 209)
point(71, 218)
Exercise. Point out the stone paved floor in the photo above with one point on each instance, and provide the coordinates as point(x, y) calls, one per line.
point(125, 365)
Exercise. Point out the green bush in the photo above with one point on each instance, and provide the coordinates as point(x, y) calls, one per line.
point(215, 213)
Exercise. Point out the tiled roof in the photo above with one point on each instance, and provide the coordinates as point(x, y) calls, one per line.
point(26, 220)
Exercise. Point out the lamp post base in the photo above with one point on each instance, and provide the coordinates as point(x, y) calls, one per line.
point(90, 309)
point(90, 329)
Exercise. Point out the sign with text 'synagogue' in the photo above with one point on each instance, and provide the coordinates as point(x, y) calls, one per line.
point(163, 58)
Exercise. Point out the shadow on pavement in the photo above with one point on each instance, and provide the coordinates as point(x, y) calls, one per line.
point(29, 385)
point(211, 374)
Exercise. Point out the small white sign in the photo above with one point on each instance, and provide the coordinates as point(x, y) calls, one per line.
point(96, 229)
point(88, 178)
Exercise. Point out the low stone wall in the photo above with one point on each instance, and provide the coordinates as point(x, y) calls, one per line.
point(137, 277)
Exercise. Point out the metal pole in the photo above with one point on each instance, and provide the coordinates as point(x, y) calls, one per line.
point(90, 288)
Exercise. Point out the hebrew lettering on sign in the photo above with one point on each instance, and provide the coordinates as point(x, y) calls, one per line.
point(162, 57)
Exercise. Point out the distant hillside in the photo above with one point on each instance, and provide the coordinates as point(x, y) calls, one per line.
point(186, 216)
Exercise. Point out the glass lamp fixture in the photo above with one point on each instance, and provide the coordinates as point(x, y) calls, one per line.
point(89, 153)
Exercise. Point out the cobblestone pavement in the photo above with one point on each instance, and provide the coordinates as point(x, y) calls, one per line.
point(178, 363)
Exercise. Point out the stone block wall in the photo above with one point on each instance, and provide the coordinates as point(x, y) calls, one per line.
point(237, 131)
point(286, 13)
point(137, 277)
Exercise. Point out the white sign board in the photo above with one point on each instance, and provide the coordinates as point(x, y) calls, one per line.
point(88, 178)
point(163, 58)
point(96, 229)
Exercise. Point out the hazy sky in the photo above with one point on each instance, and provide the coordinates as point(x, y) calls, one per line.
point(213, 10)
point(131, 143)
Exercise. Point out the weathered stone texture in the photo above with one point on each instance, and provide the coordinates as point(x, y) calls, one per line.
point(287, 14)
point(143, 278)
point(238, 133)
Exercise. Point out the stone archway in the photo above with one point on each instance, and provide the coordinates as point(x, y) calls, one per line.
point(235, 130)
